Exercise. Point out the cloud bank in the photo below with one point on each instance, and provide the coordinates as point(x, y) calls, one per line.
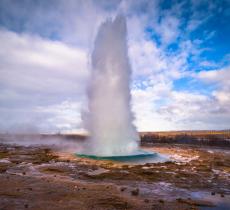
point(177, 50)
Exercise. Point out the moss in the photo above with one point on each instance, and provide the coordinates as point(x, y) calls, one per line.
point(10, 194)
point(54, 170)
point(43, 158)
point(4, 154)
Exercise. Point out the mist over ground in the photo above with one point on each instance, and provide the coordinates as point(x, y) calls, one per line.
point(65, 143)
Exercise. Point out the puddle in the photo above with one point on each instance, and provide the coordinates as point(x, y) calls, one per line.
point(97, 172)
point(169, 192)
point(4, 160)
point(221, 203)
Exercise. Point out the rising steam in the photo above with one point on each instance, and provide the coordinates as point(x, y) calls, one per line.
point(109, 120)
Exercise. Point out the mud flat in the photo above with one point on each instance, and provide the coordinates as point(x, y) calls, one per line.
point(35, 177)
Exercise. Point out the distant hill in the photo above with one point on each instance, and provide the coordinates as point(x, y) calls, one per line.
point(200, 137)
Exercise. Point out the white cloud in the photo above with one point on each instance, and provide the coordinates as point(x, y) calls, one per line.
point(74, 22)
point(146, 58)
point(145, 107)
point(198, 16)
point(168, 29)
point(161, 108)
point(38, 72)
point(32, 63)
point(221, 78)
point(66, 116)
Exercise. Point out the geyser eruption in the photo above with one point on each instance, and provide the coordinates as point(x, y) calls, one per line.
point(110, 118)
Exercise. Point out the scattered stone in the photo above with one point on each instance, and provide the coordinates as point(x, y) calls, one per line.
point(213, 193)
point(222, 195)
point(146, 200)
point(161, 201)
point(123, 189)
point(26, 206)
point(24, 173)
point(135, 192)
point(156, 207)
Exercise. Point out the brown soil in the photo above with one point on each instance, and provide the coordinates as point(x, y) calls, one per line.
point(40, 178)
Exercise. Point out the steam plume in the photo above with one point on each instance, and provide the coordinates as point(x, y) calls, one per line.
point(110, 118)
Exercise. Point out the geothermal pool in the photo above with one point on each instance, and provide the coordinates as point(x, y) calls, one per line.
point(140, 157)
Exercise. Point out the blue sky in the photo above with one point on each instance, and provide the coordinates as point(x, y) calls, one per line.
point(179, 53)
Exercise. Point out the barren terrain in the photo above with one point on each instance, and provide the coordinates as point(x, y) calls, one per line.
point(35, 177)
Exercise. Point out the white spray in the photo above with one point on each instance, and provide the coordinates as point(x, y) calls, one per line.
point(110, 118)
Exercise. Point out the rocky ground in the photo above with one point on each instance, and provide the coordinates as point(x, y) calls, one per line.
point(43, 178)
